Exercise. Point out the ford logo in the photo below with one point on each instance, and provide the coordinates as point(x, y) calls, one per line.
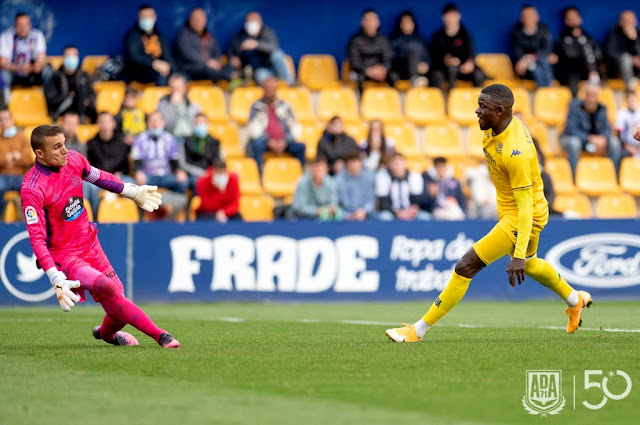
point(599, 260)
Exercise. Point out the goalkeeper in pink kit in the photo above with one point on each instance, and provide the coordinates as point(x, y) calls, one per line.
point(65, 242)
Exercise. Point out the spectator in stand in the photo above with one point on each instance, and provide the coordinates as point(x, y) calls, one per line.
point(377, 149)
point(356, 192)
point(23, 56)
point(452, 52)
point(410, 54)
point(197, 51)
point(483, 193)
point(316, 194)
point(177, 111)
point(69, 126)
point(443, 198)
point(146, 52)
point(579, 55)
point(626, 120)
point(199, 151)
point(623, 50)
point(399, 192)
point(256, 46)
point(532, 48)
point(273, 127)
point(71, 89)
point(335, 145)
point(369, 51)
point(219, 192)
point(131, 119)
point(15, 157)
point(587, 129)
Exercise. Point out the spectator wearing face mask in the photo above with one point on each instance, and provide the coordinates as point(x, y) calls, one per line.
point(15, 156)
point(199, 151)
point(256, 46)
point(71, 89)
point(219, 192)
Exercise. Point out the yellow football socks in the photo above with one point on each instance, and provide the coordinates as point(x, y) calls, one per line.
point(448, 298)
point(543, 272)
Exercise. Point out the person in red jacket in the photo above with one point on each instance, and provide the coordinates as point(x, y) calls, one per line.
point(220, 193)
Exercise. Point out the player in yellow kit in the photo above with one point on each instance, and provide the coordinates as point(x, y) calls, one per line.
point(522, 211)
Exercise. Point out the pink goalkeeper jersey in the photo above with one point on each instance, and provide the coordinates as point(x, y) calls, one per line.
point(54, 211)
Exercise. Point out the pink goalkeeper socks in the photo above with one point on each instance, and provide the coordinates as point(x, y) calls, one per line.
point(109, 327)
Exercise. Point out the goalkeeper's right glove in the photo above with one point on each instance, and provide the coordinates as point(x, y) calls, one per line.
point(62, 286)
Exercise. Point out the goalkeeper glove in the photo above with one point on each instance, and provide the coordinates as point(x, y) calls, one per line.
point(147, 197)
point(62, 286)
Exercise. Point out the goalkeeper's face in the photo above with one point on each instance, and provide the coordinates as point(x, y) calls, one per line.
point(53, 152)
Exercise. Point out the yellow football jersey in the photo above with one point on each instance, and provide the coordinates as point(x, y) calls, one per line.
point(513, 164)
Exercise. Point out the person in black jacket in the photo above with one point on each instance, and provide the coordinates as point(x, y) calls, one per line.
point(197, 51)
point(452, 52)
point(623, 50)
point(579, 55)
point(70, 89)
point(410, 54)
point(199, 151)
point(532, 44)
point(369, 51)
point(146, 53)
point(335, 145)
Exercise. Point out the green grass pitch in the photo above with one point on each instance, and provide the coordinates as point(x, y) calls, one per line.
point(249, 363)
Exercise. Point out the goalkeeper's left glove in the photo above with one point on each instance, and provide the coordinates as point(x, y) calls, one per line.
point(62, 286)
point(147, 197)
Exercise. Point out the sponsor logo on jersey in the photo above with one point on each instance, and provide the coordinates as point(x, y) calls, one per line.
point(73, 209)
point(515, 152)
point(499, 148)
point(30, 215)
point(490, 159)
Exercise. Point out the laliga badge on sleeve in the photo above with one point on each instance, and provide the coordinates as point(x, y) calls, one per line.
point(30, 215)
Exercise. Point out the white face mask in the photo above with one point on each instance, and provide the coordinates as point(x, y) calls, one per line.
point(220, 180)
point(252, 28)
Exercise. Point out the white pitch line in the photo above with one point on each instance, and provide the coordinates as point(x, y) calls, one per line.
point(594, 329)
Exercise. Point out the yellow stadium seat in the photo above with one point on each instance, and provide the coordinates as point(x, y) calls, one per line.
point(248, 175)
point(522, 103)
point(540, 132)
point(560, 172)
point(109, 97)
point(150, 98)
point(463, 102)
point(211, 102)
point(11, 214)
point(240, 103)
point(281, 175)
point(596, 176)
point(28, 106)
point(338, 101)
point(460, 166)
point(310, 135)
point(496, 65)
point(382, 103)
point(551, 104)
point(86, 132)
point(418, 165)
point(404, 135)
point(608, 98)
point(299, 98)
point(118, 210)
point(474, 142)
point(195, 203)
point(425, 106)
point(87, 206)
point(256, 207)
point(227, 134)
point(91, 63)
point(101, 85)
point(576, 203)
point(443, 140)
point(55, 62)
point(318, 72)
point(616, 205)
point(358, 130)
point(630, 175)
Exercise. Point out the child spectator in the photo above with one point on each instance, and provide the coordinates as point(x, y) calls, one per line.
point(316, 194)
point(443, 197)
point(399, 192)
point(131, 120)
point(626, 120)
point(356, 194)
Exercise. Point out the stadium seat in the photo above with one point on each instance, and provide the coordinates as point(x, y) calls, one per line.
point(248, 175)
point(608, 98)
point(55, 62)
point(443, 140)
point(87, 206)
point(109, 96)
point(616, 205)
point(463, 103)
point(551, 104)
point(150, 98)
point(425, 106)
point(310, 135)
point(318, 72)
point(227, 134)
point(240, 103)
point(211, 101)
point(560, 172)
point(630, 175)
point(358, 130)
point(118, 210)
point(100, 85)
point(280, 176)
point(299, 98)
point(91, 63)
point(10, 213)
point(404, 135)
point(418, 165)
point(86, 132)
point(28, 106)
point(339, 101)
point(475, 136)
point(596, 176)
point(576, 203)
point(381, 103)
point(522, 103)
point(256, 207)
point(540, 132)
point(496, 65)
point(195, 203)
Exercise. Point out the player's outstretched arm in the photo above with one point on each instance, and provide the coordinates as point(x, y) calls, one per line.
point(147, 197)
point(63, 288)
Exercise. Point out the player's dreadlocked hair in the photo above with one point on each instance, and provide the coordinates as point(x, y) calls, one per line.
point(40, 134)
point(500, 93)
